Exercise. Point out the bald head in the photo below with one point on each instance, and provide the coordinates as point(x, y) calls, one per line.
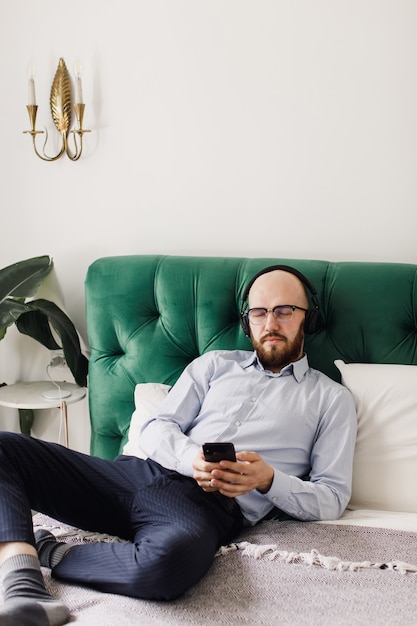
point(277, 287)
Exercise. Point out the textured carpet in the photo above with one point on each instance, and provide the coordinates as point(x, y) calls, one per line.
point(242, 589)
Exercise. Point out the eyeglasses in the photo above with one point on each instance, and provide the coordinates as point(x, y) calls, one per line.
point(282, 313)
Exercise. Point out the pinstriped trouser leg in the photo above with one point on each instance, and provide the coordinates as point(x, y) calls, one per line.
point(173, 528)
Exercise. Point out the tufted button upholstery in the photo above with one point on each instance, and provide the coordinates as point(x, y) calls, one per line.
point(149, 316)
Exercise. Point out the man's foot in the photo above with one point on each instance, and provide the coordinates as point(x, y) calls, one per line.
point(30, 612)
point(26, 600)
point(50, 550)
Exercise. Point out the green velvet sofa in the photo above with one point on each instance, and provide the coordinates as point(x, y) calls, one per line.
point(149, 316)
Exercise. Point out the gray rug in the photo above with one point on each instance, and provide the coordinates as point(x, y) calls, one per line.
point(278, 587)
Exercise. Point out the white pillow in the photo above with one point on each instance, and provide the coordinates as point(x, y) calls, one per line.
point(385, 461)
point(148, 398)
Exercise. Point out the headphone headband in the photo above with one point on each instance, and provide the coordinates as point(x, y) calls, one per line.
point(312, 319)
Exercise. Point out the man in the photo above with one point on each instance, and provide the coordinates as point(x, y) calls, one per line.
point(294, 431)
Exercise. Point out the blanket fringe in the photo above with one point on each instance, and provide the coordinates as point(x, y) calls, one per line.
point(313, 558)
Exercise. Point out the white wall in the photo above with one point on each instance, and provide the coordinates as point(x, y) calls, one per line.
point(220, 127)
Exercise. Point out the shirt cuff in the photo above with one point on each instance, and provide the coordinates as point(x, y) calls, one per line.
point(280, 493)
point(185, 465)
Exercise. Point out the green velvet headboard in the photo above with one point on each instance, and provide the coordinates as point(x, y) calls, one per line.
point(149, 316)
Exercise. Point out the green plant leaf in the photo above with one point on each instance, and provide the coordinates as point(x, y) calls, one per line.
point(23, 279)
point(18, 282)
point(36, 318)
point(10, 310)
point(37, 324)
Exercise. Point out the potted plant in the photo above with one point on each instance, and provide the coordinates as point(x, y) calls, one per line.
point(37, 317)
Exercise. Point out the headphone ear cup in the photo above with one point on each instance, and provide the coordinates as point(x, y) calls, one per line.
point(312, 322)
point(244, 322)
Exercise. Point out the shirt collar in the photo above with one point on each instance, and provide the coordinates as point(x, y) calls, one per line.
point(297, 369)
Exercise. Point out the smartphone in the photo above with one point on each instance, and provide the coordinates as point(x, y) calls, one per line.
point(219, 451)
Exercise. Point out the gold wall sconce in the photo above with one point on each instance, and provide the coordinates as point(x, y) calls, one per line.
point(61, 111)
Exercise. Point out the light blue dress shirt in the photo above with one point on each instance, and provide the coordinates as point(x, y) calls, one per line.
point(300, 421)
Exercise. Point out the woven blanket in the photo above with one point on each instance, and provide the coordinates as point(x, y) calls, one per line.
point(299, 573)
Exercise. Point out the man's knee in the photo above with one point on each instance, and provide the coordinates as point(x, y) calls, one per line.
point(6, 436)
point(13, 446)
point(8, 441)
point(12, 439)
point(167, 572)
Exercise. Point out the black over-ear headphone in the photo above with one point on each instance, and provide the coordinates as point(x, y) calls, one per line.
point(312, 321)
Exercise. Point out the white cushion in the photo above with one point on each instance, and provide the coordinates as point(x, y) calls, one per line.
point(148, 398)
point(385, 461)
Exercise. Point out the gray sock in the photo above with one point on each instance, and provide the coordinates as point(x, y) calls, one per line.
point(26, 600)
point(50, 550)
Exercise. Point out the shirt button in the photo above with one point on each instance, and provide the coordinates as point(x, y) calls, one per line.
point(237, 423)
point(253, 399)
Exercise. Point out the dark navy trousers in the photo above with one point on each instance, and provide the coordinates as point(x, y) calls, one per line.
point(172, 527)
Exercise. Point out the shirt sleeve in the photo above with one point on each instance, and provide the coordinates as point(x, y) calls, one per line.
point(163, 436)
point(326, 492)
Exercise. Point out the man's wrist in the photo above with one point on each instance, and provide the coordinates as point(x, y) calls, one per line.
point(265, 487)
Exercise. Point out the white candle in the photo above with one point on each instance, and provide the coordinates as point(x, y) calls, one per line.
point(78, 84)
point(31, 91)
point(31, 86)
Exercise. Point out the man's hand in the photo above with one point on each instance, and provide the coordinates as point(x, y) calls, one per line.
point(234, 479)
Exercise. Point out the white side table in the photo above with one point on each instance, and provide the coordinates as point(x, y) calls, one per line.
point(42, 395)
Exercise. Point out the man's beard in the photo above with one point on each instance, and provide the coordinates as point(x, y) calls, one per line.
point(281, 354)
